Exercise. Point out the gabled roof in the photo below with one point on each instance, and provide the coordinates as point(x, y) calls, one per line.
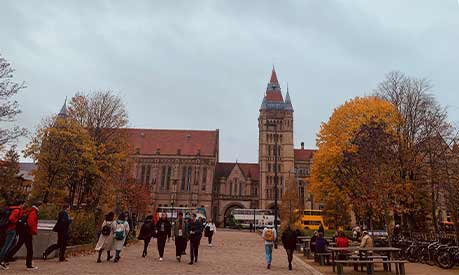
point(173, 142)
point(250, 170)
point(303, 154)
point(25, 170)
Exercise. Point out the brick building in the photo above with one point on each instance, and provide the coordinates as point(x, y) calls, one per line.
point(182, 167)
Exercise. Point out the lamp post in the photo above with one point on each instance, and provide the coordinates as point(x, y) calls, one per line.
point(276, 178)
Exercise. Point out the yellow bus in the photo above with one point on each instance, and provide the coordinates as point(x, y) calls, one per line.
point(312, 219)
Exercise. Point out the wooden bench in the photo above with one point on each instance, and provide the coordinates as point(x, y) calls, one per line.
point(321, 257)
point(374, 257)
point(399, 265)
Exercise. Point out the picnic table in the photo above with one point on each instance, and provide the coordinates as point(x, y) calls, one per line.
point(362, 251)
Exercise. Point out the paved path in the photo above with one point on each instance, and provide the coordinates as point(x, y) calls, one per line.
point(234, 252)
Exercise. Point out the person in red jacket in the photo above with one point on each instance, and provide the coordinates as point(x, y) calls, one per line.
point(342, 241)
point(27, 227)
point(15, 212)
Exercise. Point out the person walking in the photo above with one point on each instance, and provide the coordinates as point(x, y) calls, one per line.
point(12, 215)
point(180, 235)
point(289, 243)
point(269, 236)
point(27, 227)
point(120, 234)
point(195, 234)
point(163, 233)
point(105, 241)
point(209, 232)
point(146, 233)
point(62, 229)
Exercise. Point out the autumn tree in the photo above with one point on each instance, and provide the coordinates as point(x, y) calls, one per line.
point(290, 211)
point(65, 158)
point(10, 183)
point(422, 121)
point(9, 107)
point(336, 138)
point(103, 115)
point(367, 175)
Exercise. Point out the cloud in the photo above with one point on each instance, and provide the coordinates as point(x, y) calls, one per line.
point(205, 64)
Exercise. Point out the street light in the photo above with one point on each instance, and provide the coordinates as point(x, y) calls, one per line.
point(276, 179)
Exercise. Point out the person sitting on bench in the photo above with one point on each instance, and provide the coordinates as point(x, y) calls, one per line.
point(322, 246)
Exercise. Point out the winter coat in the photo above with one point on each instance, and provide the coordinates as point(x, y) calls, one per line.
point(289, 239)
point(105, 242)
point(342, 242)
point(321, 245)
point(194, 229)
point(120, 226)
point(16, 213)
point(163, 229)
point(63, 223)
point(147, 230)
point(32, 221)
point(175, 229)
point(367, 241)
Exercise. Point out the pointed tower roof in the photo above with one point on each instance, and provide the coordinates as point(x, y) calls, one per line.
point(288, 102)
point(63, 111)
point(273, 79)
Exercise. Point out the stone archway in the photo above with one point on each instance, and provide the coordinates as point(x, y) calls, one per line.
point(227, 212)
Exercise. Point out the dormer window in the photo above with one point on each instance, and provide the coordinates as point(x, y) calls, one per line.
point(158, 151)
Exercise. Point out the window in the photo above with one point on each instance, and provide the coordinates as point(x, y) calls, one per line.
point(142, 174)
point(204, 179)
point(240, 189)
point(188, 179)
point(168, 178)
point(163, 177)
point(183, 182)
point(269, 167)
point(196, 178)
point(147, 178)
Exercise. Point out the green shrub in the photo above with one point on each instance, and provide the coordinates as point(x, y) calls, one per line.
point(83, 228)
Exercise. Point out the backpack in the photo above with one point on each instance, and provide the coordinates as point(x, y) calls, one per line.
point(22, 223)
point(269, 235)
point(119, 234)
point(4, 217)
point(106, 230)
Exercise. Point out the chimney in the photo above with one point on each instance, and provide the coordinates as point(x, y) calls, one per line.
point(302, 145)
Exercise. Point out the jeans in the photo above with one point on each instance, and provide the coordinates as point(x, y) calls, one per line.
point(9, 241)
point(194, 248)
point(61, 245)
point(161, 244)
point(269, 253)
point(24, 238)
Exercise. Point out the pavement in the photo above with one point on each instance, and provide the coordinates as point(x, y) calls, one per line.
point(234, 252)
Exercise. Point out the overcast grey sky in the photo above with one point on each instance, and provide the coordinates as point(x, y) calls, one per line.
point(205, 64)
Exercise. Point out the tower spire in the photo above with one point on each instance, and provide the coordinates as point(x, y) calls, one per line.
point(273, 79)
point(63, 111)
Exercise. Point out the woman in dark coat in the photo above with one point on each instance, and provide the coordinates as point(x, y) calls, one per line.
point(146, 233)
point(289, 243)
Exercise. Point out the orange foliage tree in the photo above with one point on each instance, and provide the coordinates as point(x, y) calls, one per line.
point(335, 139)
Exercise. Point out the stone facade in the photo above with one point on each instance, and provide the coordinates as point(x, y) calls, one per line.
point(177, 165)
point(181, 167)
